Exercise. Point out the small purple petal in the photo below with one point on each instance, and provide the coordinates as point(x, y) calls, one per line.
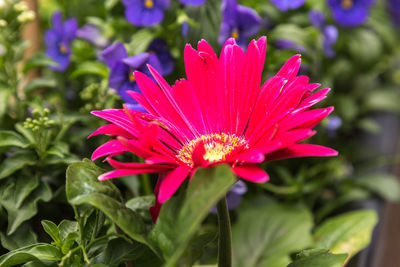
point(137, 60)
point(185, 29)
point(165, 60)
point(70, 28)
point(114, 53)
point(92, 34)
point(249, 21)
point(331, 35)
point(192, 2)
point(317, 18)
point(285, 5)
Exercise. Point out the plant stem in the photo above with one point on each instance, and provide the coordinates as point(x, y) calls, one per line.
point(225, 235)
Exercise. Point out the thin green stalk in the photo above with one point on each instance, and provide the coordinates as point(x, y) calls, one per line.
point(225, 235)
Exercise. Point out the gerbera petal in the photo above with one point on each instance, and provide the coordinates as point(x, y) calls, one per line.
point(251, 172)
point(290, 68)
point(111, 147)
point(134, 165)
point(126, 172)
point(111, 129)
point(302, 150)
point(170, 183)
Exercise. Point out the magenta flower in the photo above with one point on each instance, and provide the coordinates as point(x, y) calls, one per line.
point(220, 114)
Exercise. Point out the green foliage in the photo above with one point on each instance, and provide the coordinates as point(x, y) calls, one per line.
point(180, 217)
point(266, 234)
point(318, 257)
point(347, 233)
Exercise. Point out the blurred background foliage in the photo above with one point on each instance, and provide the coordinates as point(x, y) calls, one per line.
point(45, 121)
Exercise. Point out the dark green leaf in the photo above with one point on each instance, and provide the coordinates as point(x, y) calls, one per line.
point(17, 214)
point(10, 138)
point(52, 229)
point(84, 188)
point(90, 67)
point(34, 252)
point(346, 233)
point(16, 161)
point(266, 234)
point(39, 60)
point(118, 251)
point(22, 237)
point(319, 258)
point(67, 227)
point(181, 217)
point(25, 132)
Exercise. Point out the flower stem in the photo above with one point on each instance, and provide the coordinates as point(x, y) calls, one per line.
point(225, 235)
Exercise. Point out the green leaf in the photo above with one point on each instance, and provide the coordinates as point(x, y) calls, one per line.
point(69, 241)
point(4, 98)
point(266, 234)
point(25, 132)
point(16, 161)
point(34, 252)
point(39, 60)
point(180, 217)
point(11, 138)
point(66, 227)
point(140, 41)
point(141, 205)
point(118, 251)
point(384, 185)
point(22, 237)
point(18, 213)
point(317, 258)
point(52, 229)
point(40, 83)
point(346, 233)
point(90, 67)
point(83, 188)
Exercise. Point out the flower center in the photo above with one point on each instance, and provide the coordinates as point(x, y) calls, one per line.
point(216, 147)
point(149, 4)
point(347, 4)
point(63, 49)
point(235, 34)
point(131, 77)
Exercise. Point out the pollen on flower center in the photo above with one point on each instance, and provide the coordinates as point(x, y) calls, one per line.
point(216, 146)
point(347, 4)
point(63, 49)
point(131, 77)
point(149, 3)
point(235, 34)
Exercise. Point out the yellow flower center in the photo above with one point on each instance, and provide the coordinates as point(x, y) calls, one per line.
point(216, 146)
point(63, 49)
point(131, 77)
point(235, 34)
point(149, 3)
point(347, 4)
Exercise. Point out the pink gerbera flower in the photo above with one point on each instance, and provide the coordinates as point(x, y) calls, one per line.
point(218, 115)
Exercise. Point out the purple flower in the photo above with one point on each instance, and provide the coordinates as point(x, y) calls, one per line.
point(192, 2)
point(239, 22)
point(317, 19)
point(185, 29)
point(58, 40)
point(330, 32)
point(122, 66)
point(160, 48)
point(285, 44)
point(334, 123)
point(234, 196)
point(350, 13)
point(285, 5)
point(92, 34)
point(145, 12)
point(331, 35)
point(394, 10)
